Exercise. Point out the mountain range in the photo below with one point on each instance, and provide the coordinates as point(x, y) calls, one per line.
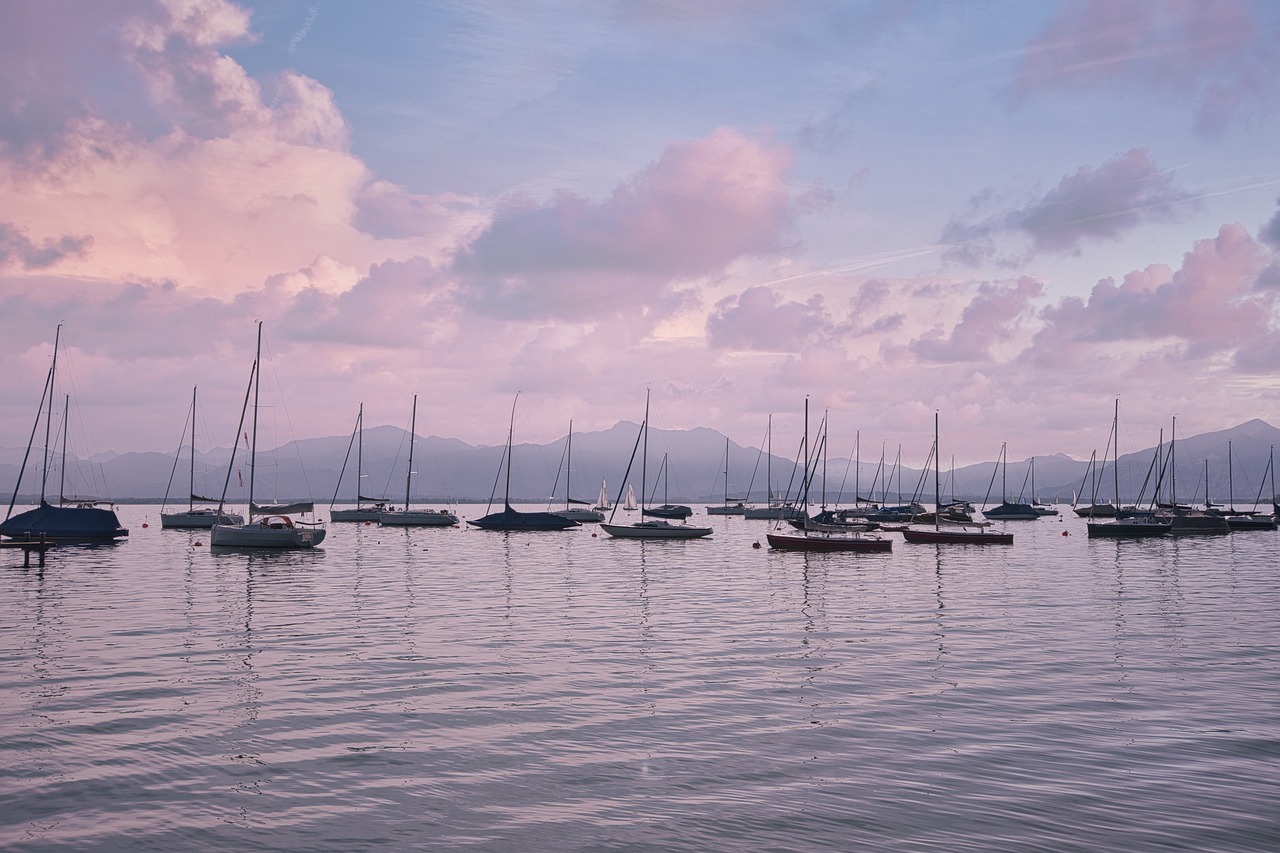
point(450, 470)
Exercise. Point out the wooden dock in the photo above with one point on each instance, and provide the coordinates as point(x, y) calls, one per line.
point(39, 546)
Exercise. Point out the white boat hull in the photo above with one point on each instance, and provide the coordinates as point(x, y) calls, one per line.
point(362, 514)
point(655, 530)
point(198, 519)
point(580, 515)
point(272, 534)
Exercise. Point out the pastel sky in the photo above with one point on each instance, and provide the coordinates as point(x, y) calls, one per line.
point(1009, 212)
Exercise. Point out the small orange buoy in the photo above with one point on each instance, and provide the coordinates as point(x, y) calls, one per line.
point(593, 535)
point(1066, 533)
point(145, 525)
point(755, 544)
point(199, 543)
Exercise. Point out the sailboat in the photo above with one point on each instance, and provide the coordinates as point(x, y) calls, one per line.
point(821, 538)
point(954, 533)
point(362, 511)
point(84, 522)
point(514, 519)
point(1241, 520)
point(774, 509)
point(667, 509)
point(1186, 521)
point(204, 517)
point(1009, 511)
point(657, 528)
point(728, 507)
point(1128, 524)
point(582, 512)
point(269, 525)
point(409, 517)
point(1040, 506)
point(629, 502)
point(602, 500)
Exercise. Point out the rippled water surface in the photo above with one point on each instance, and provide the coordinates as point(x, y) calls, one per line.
point(454, 689)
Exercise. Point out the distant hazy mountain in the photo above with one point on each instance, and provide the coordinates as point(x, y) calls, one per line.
point(452, 470)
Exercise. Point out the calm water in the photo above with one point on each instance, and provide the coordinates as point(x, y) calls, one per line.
point(457, 689)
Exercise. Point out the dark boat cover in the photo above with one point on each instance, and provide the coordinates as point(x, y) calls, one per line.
point(65, 524)
point(512, 519)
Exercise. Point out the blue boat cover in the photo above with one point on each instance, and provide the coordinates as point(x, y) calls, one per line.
point(513, 519)
point(64, 523)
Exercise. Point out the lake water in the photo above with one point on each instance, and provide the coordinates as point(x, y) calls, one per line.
point(459, 689)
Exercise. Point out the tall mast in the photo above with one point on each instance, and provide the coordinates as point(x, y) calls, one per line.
point(1173, 465)
point(1004, 471)
point(568, 467)
point(191, 493)
point(937, 476)
point(360, 453)
point(1231, 481)
point(62, 468)
point(726, 470)
point(511, 429)
point(1115, 440)
point(644, 457)
point(53, 372)
point(413, 427)
point(253, 446)
point(768, 460)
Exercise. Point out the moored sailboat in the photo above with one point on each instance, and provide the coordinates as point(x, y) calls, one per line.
point(819, 536)
point(655, 528)
point(959, 534)
point(366, 509)
point(268, 525)
point(575, 510)
point(193, 517)
point(82, 522)
point(509, 519)
point(409, 517)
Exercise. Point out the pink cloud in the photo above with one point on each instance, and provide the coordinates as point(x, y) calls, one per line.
point(1208, 307)
point(702, 205)
point(1216, 51)
point(993, 316)
point(1092, 204)
point(759, 319)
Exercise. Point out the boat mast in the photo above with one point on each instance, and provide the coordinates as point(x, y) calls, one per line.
point(413, 426)
point(1115, 439)
point(191, 493)
point(644, 457)
point(568, 466)
point(62, 469)
point(253, 446)
point(726, 470)
point(1173, 465)
point(1231, 481)
point(360, 454)
point(53, 372)
point(937, 476)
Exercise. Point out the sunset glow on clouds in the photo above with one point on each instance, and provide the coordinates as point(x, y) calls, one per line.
point(1046, 207)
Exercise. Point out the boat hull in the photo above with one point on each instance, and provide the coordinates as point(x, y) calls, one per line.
point(773, 513)
point(198, 519)
point(273, 534)
point(360, 514)
point(64, 524)
point(1251, 522)
point(677, 511)
point(515, 520)
point(957, 537)
point(1199, 525)
point(417, 518)
point(818, 541)
point(655, 530)
point(580, 515)
point(1136, 528)
point(1012, 512)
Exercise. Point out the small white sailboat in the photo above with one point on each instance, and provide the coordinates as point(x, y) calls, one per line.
point(629, 502)
point(269, 525)
point(602, 500)
point(409, 517)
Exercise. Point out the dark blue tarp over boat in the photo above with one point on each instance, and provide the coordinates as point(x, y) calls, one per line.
point(64, 524)
point(513, 519)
